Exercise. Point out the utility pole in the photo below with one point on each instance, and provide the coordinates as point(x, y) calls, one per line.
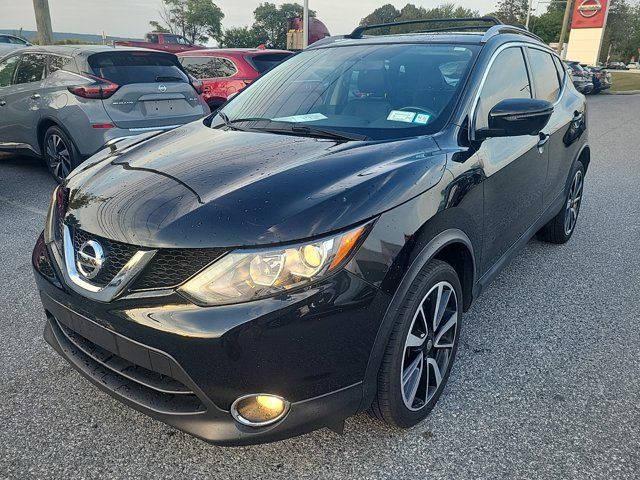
point(305, 25)
point(43, 22)
point(528, 15)
point(565, 25)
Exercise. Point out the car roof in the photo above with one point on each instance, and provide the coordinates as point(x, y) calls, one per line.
point(83, 50)
point(459, 32)
point(230, 51)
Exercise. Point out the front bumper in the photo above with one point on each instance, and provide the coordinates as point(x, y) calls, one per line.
point(185, 365)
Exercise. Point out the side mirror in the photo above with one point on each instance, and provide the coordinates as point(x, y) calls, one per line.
point(517, 116)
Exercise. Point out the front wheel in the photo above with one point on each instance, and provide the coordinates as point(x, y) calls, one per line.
point(423, 343)
point(59, 153)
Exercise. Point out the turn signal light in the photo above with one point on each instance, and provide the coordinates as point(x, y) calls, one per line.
point(259, 410)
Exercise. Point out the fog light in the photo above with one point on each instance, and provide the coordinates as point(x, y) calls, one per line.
point(259, 410)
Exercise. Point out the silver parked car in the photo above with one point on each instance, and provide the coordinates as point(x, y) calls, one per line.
point(9, 43)
point(65, 103)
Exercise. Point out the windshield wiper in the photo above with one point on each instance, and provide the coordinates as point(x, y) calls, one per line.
point(327, 133)
point(295, 128)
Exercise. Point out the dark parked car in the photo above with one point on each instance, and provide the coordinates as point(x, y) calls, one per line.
point(617, 66)
point(64, 103)
point(600, 78)
point(308, 252)
point(224, 72)
point(581, 78)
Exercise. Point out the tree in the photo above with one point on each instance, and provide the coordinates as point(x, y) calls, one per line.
point(622, 32)
point(548, 25)
point(389, 14)
point(241, 37)
point(271, 21)
point(196, 20)
point(512, 12)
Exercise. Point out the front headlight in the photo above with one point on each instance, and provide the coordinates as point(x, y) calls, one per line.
point(244, 275)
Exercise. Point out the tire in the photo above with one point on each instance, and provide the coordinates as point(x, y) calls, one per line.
point(59, 152)
point(560, 229)
point(394, 403)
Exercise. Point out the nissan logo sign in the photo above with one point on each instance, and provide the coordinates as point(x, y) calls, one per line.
point(589, 8)
point(89, 259)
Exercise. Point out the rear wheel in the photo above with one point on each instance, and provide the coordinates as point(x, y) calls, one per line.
point(561, 227)
point(60, 154)
point(421, 349)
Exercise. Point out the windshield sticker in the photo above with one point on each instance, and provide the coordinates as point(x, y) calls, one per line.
point(422, 118)
point(310, 117)
point(400, 116)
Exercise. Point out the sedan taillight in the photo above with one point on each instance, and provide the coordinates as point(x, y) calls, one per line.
point(100, 89)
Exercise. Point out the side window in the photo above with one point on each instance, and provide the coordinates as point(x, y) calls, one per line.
point(58, 62)
point(200, 67)
point(7, 67)
point(545, 75)
point(561, 69)
point(31, 68)
point(4, 39)
point(225, 68)
point(152, 38)
point(507, 78)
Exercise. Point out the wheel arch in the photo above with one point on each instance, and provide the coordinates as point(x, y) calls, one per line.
point(44, 125)
point(452, 246)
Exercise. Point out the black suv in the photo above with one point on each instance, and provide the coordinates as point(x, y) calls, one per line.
point(307, 252)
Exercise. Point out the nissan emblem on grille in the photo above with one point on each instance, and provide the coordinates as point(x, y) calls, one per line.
point(89, 259)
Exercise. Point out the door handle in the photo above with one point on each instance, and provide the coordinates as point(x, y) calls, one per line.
point(543, 138)
point(35, 96)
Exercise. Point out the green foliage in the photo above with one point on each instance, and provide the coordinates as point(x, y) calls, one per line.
point(271, 21)
point(241, 37)
point(622, 32)
point(75, 41)
point(512, 12)
point(196, 20)
point(548, 25)
point(157, 27)
point(269, 27)
point(389, 14)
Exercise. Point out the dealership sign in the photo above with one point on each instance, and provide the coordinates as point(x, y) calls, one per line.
point(589, 8)
point(589, 14)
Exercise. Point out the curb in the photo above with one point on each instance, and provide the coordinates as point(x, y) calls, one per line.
point(628, 92)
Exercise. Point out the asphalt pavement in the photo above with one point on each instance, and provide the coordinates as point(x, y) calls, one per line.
point(546, 384)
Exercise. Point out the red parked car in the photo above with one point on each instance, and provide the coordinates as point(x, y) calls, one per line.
point(224, 72)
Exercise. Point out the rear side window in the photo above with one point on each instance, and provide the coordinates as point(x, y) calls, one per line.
point(560, 68)
point(200, 67)
point(59, 62)
point(545, 75)
point(507, 78)
point(31, 68)
point(265, 62)
point(125, 68)
point(209, 67)
point(7, 67)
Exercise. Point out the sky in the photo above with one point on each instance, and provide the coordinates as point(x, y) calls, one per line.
point(129, 18)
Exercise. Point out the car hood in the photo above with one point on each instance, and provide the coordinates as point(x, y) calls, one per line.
point(196, 186)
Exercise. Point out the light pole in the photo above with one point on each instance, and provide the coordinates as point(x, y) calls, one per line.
point(305, 25)
point(43, 21)
point(528, 15)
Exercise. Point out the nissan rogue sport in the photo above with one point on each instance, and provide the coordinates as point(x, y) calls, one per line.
point(307, 252)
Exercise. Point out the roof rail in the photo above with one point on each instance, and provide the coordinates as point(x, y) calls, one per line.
point(492, 21)
point(498, 29)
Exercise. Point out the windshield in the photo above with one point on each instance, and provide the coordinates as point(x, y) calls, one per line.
point(378, 91)
point(126, 67)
